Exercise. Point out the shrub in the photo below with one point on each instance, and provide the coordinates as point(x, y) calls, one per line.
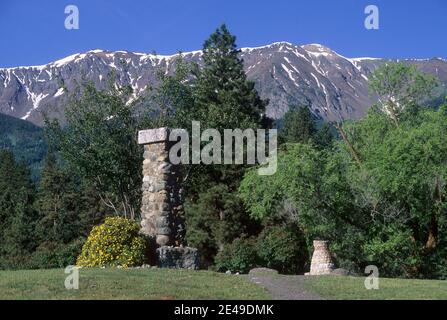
point(47, 255)
point(55, 255)
point(13, 262)
point(282, 248)
point(239, 256)
point(117, 242)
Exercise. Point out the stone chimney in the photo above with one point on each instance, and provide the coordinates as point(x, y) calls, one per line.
point(161, 206)
point(321, 259)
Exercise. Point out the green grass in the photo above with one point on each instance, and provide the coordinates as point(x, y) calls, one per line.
point(115, 283)
point(127, 284)
point(353, 288)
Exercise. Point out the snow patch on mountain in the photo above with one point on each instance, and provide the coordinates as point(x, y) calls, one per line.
point(59, 92)
point(290, 74)
point(36, 99)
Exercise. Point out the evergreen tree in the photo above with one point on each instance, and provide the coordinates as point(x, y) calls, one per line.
point(299, 126)
point(223, 99)
point(93, 210)
point(58, 204)
point(16, 213)
point(67, 209)
point(324, 138)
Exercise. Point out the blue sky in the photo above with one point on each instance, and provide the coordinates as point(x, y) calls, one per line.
point(32, 32)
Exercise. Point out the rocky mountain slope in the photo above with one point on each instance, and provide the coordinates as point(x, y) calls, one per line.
point(335, 87)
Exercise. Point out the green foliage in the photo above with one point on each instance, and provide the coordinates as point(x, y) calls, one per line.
point(324, 137)
point(214, 220)
point(299, 126)
point(66, 210)
point(238, 256)
point(100, 144)
point(51, 255)
point(222, 98)
point(25, 141)
point(282, 248)
point(59, 204)
point(389, 211)
point(116, 242)
point(399, 86)
point(42, 229)
point(264, 195)
point(17, 217)
point(406, 177)
point(169, 103)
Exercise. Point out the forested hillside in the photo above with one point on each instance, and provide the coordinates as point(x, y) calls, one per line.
point(24, 139)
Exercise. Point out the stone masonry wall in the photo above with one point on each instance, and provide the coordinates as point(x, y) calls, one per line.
point(178, 257)
point(161, 209)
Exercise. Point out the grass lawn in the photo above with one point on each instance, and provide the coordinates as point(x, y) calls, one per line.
point(352, 288)
point(127, 284)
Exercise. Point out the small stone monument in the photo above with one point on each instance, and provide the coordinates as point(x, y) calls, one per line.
point(162, 202)
point(321, 263)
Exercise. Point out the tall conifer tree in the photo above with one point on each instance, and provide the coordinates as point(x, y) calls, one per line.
point(224, 99)
point(17, 217)
point(59, 204)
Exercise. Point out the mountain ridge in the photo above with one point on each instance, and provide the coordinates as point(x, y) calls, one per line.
point(333, 86)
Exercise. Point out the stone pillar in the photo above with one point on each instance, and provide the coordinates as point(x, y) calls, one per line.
point(161, 206)
point(321, 259)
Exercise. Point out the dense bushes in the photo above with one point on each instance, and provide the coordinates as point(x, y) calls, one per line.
point(116, 242)
point(278, 247)
point(282, 248)
point(238, 256)
point(55, 255)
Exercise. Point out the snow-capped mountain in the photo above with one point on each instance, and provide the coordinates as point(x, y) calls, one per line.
point(334, 86)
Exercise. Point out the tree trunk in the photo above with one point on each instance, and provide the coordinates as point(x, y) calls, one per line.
point(352, 149)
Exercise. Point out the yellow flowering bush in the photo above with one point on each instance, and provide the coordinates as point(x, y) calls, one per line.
point(116, 242)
